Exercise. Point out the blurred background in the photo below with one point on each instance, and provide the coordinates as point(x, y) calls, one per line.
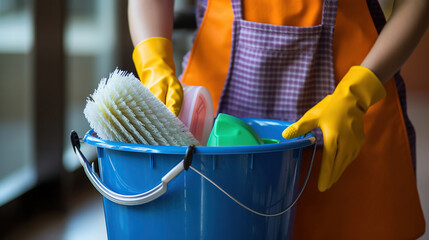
point(53, 53)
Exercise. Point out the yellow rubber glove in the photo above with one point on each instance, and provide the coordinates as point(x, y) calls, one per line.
point(339, 116)
point(153, 59)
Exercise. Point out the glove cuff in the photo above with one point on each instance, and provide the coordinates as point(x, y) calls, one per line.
point(364, 85)
point(152, 52)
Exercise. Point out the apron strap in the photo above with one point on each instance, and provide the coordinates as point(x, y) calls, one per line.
point(328, 15)
point(236, 9)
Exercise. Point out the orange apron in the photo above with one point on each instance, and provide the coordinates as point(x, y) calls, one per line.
point(376, 197)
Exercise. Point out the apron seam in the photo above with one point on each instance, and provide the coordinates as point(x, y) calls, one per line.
point(277, 51)
point(288, 29)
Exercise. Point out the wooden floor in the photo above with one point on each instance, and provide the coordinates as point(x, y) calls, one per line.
point(85, 220)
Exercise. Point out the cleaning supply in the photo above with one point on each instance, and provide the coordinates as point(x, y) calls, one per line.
point(197, 112)
point(153, 59)
point(121, 109)
point(228, 193)
point(232, 131)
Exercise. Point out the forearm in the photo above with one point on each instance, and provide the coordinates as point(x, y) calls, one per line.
point(398, 38)
point(150, 18)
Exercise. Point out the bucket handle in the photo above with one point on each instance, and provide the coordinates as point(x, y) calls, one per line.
point(118, 198)
point(256, 212)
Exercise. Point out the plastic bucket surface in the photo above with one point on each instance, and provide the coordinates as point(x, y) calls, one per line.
point(264, 178)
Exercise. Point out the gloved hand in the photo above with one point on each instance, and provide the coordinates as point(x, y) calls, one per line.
point(153, 59)
point(339, 116)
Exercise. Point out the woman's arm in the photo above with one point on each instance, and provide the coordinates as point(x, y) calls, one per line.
point(399, 37)
point(150, 18)
point(151, 26)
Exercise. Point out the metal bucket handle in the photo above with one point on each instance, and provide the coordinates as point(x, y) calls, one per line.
point(256, 212)
point(122, 199)
point(161, 188)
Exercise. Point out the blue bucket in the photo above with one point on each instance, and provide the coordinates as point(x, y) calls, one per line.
point(246, 192)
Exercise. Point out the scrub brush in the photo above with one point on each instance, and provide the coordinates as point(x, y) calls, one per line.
point(122, 109)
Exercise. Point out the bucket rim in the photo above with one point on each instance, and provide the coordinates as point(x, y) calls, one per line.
point(285, 144)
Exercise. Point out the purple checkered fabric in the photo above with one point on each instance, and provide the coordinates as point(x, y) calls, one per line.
point(279, 72)
point(379, 22)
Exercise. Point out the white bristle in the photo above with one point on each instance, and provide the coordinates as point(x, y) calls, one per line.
point(121, 109)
